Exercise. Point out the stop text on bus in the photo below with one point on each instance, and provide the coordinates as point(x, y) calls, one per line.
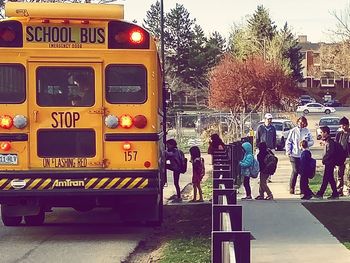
point(65, 34)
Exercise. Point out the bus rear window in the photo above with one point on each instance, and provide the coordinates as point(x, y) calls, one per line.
point(126, 84)
point(65, 87)
point(12, 83)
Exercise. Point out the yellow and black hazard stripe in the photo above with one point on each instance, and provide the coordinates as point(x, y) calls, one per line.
point(116, 183)
point(106, 183)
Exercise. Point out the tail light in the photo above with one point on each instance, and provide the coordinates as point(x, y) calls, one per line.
point(6, 122)
point(111, 121)
point(20, 121)
point(123, 35)
point(5, 146)
point(127, 146)
point(140, 121)
point(126, 121)
point(136, 36)
point(147, 164)
point(11, 34)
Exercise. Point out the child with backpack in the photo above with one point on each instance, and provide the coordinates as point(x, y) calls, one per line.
point(198, 173)
point(246, 164)
point(174, 156)
point(307, 170)
point(329, 161)
point(263, 159)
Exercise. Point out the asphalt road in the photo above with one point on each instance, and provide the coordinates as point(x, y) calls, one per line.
point(69, 236)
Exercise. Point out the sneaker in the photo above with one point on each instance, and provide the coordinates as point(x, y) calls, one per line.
point(177, 200)
point(247, 198)
point(270, 197)
point(259, 197)
point(291, 191)
point(333, 197)
point(306, 197)
point(319, 196)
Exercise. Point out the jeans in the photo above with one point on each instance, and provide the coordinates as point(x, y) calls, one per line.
point(328, 177)
point(304, 185)
point(341, 171)
point(263, 187)
point(295, 162)
point(246, 184)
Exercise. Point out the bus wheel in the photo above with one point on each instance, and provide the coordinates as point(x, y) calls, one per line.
point(35, 220)
point(9, 220)
point(159, 220)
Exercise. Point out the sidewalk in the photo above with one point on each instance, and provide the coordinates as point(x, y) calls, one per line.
point(284, 230)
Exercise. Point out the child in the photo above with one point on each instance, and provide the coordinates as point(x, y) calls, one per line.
point(172, 154)
point(215, 144)
point(306, 170)
point(198, 172)
point(245, 164)
point(263, 187)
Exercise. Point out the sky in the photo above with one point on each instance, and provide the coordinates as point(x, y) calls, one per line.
point(306, 17)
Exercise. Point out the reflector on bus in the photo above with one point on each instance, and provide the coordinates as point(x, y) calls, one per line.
point(11, 34)
point(123, 35)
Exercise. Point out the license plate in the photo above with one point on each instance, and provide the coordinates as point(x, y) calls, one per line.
point(8, 159)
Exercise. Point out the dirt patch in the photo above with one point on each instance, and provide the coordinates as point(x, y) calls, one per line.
point(181, 220)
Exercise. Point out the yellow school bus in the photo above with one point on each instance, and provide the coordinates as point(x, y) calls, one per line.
point(81, 113)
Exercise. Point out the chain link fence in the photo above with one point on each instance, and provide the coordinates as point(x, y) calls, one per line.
point(194, 129)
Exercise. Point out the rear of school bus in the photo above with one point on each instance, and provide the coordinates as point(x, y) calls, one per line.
point(81, 116)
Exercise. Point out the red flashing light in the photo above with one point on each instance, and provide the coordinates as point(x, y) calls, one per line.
point(65, 21)
point(147, 164)
point(6, 121)
point(140, 121)
point(126, 121)
point(85, 22)
point(7, 35)
point(136, 36)
point(127, 146)
point(5, 146)
point(45, 21)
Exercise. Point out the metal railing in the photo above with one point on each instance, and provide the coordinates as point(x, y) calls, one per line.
point(229, 242)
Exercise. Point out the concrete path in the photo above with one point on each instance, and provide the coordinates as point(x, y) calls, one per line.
point(284, 230)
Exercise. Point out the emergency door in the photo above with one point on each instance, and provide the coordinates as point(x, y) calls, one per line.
point(65, 115)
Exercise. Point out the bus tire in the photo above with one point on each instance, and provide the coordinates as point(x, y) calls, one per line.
point(35, 220)
point(9, 220)
point(158, 222)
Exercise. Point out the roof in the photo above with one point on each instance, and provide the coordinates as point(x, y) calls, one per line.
point(309, 46)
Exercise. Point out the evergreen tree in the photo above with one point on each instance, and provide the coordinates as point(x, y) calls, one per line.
point(291, 51)
point(152, 21)
point(179, 36)
point(215, 48)
point(261, 25)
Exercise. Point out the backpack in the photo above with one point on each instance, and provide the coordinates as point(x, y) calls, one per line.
point(340, 155)
point(183, 162)
point(270, 162)
point(312, 167)
point(254, 169)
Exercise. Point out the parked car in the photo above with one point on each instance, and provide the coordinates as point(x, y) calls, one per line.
point(304, 99)
point(316, 108)
point(283, 127)
point(332, 103)
point(331, 122)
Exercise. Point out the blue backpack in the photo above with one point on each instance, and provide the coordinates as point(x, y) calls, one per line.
point(254, 169)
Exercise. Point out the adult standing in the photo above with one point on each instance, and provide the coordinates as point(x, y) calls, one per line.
point(266, 132)
point(295, 136)
point(343, 137)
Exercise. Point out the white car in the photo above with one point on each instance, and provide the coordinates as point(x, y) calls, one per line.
point(315, 108)
point(283, 127)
